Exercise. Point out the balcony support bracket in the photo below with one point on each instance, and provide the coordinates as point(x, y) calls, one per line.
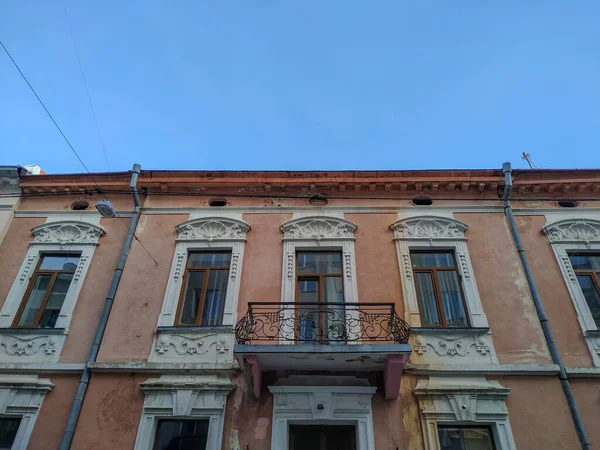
point(392, 374)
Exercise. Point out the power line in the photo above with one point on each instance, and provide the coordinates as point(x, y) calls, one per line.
point(70, 145)
point(87, 91)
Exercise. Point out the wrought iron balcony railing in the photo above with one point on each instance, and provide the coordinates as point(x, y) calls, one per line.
point(321, 323)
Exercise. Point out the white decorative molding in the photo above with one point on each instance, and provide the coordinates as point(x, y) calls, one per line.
point(447, 346)
point(322, 232)
point(320, 405)
point(210, 229)
point(567, 236)
point(318, 228)
point(186, 397)
point(576, 230)
point(176, 345)
point(67, 232)
point(79, 238)
point(463, 401)
point(443, 345)
point(206, 234)
point(22, 396)
point(428, 228)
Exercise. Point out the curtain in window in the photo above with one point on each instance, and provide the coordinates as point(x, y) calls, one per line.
point(426, 295)
point(452, 298)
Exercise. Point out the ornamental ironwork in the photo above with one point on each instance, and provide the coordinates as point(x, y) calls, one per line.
point(321, 323)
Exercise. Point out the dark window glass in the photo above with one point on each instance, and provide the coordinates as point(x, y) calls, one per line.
point(587, 269)
point(181, 434)
point(204, 289)
point(326, 263)
point(47, 291)
point(8, 431)
point(465, 438)
point(441, 301)
point(322, 437)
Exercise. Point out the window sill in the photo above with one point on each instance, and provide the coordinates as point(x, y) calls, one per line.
point(184, 329)
point(592, 333)
point(468, 330)
point(10, 330)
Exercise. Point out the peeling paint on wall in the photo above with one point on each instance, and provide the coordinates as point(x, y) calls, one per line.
point(234, 441)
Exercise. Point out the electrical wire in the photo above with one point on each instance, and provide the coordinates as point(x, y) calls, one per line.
point(87, 91)
point(71, 146)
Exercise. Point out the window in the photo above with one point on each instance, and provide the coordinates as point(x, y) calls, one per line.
point(587, 270)
point(202, 298)
point(8, 431)
point(181, 434)
point(319, 288)
point(320, 437)
point(465, 438)
point(439, 290)
point(46, 292)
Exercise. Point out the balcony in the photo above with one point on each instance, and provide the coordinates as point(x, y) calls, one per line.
point(324, 337)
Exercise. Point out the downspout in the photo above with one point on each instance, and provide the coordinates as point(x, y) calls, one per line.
point(564, 380)
point(67, 438)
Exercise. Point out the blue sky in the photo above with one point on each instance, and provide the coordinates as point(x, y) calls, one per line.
point(302, 85)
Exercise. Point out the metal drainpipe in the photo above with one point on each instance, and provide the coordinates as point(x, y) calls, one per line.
point(67, 438)
point(564, 380)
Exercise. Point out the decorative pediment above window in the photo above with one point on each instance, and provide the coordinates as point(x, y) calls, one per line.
point(429, 228)
point(318, 229)
point(213, 229)
point(67, 232)
point(573, 230)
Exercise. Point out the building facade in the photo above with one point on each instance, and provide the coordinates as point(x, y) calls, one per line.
point(303, 310)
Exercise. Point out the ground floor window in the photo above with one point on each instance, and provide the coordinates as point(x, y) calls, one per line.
point(322, 437)
point(8, 431)
point(465, 438)
point(181, 434)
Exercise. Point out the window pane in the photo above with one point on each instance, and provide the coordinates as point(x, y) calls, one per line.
point(214, 302)
point(457, 438)
point(308, 316)
point(55, 300)
point(192, 298)
point(40, 285)
point(181, 435)
point(202, 259)
point(334, 321)
point(8, 432)
point(585, 262)
point(432, 259)
point(322, 263)
point(59, 262)
point(452, 301)
point(426, 294)
point(592, 296)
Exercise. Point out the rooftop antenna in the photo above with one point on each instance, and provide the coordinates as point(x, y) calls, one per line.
point(527, 157)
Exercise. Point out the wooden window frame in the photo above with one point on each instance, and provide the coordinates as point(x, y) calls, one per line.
point(436, 288)
point(206, 271)
point(34, 276)
point(319, 277)
point(594, 274)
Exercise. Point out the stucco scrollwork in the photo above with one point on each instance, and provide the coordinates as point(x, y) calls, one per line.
point(474, 347)
point(428, 227)
point(193, 346)
point(318, 229)
point(573, 230)
point(67, 232)
point(29, 346)
point(212, 229)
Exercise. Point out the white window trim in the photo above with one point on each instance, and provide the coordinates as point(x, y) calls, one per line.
point(322, 233)
point(40, 345)
point(183, 397)
point(316, 233)
point(341, 404)
point(576, 235)
point(463, 401)
point(206, 233)
point(21, 396)
point(443, 345)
